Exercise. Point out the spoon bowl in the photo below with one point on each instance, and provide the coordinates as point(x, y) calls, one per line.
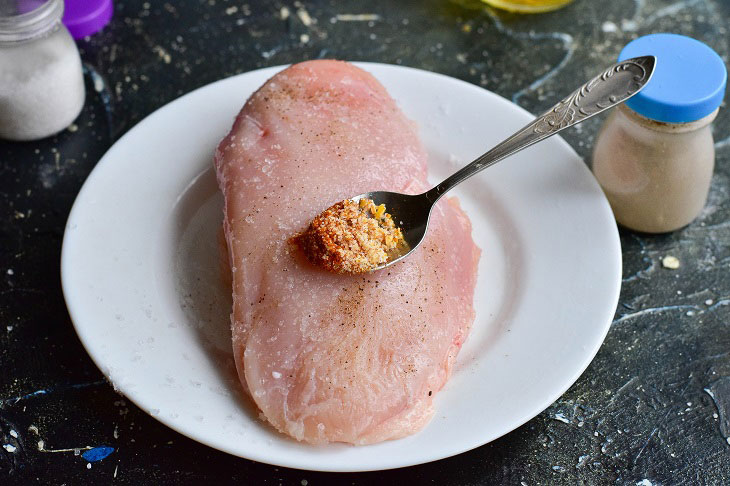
point(407, 211)
point(618, 83)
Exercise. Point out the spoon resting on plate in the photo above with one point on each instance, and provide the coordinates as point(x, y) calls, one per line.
point(386, 238)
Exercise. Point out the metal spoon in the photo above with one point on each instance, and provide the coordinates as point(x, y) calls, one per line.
point(615, 85)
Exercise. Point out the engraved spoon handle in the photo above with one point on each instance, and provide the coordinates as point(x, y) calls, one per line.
point(617, 84)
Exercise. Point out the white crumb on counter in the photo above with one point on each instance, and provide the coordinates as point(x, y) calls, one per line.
point(670, 262)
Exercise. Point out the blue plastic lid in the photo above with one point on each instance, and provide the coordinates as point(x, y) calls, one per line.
point(688, 82)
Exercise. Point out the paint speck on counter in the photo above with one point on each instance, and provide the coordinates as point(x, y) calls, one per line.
point(98, 81)
point(13, 434)
point(162, 54)
point(10, 448)
point(268, 54)
point(305, 17)
point(629, 25)
point(609, 26)
point(561, 418)
point(73, 127)
point(719, 392)
point(644, 482)
point(97, 453)
point(670, 262)
point(88, 465)
point(304, 482)
point(357, 17)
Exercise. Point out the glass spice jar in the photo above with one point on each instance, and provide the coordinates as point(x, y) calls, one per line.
point(655, 155)
point(41, 79)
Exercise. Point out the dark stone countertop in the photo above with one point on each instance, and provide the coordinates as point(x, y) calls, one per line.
point(651, 409)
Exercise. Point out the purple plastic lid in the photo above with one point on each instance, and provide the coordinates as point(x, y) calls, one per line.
point(85, 17)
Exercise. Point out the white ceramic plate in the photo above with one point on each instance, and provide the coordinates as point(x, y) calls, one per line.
point(143, 286)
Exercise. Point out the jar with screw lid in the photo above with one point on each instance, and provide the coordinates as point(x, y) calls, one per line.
point(41, 80)
point(654, 156)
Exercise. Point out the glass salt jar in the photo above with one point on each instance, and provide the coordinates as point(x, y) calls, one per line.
point(655, 154)
point(41, 79)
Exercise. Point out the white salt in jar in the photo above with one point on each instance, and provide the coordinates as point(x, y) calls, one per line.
point(41, 80)
point(654, 156)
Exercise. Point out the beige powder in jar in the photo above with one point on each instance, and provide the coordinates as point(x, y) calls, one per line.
point(655, 175)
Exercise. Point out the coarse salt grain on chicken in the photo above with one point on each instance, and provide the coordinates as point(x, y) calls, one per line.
point(328, 357)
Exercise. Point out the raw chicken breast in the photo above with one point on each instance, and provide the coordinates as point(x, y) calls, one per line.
point(328, 357)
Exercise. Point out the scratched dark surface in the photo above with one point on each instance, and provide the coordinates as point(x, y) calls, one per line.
point(654, 406)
